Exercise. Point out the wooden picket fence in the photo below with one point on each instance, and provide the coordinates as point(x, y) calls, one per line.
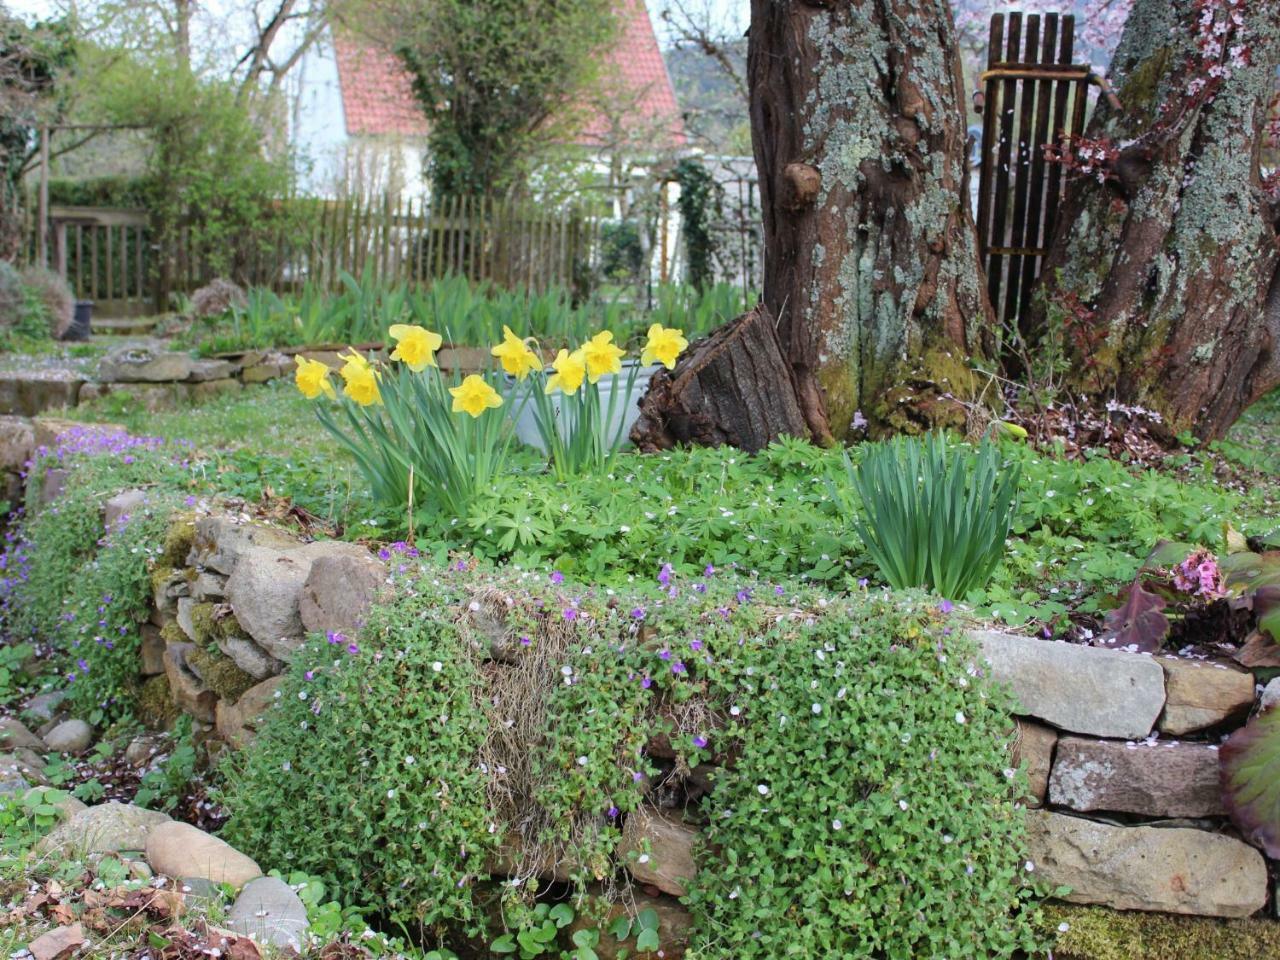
point(1034, 97)
point(112, 256)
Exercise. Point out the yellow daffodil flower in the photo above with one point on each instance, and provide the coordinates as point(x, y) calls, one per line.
point(415, 346)
point(516, 357)
point(355, 365)
point(474, 396)
point(663, 346)
point(362, 386)
point(312, 378)
point(570, 369)
point(601, 356)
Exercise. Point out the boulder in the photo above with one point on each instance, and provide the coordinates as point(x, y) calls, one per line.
point(1154, 779)
point(1033, 746)
point(52, 483)
point(14, 734)
point(144, 363)
point(271, 913)
point(152, 397)
point(70, 736)
point(204, 371)
point(152, 650)
point(215, 388)
point(339, 590)
point(674, 925)
point(180, 850)
point(12, 784)
point(43, 706)
point(27, 393)
point(237, 722)
point(17, 442)
point(186, 606)
point(220, 541)
point(22, 764)
point(1167, 869)
point(141, 750)
point(1102, 693)
point(249, 657)
point(120, 507)
point(209, 586)
point(189, 692)
point(106, 828)
point(658, 850)
point(1203, 693)
point(264, 590)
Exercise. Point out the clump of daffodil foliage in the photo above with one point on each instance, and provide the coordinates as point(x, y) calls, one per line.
point(70, 581)
point(494, 725)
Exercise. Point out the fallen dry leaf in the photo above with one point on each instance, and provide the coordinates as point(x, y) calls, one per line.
point(57, 943)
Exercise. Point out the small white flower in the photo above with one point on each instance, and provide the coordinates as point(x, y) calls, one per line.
point(643, 858)
point(762, 789)
point(1064, 927)
point(837, 825)
point(437, 666)
point(735, 711)
point(1029, 867)
point(816, 708)
point(960, 718)
point(391, 794)
point(409, 761)
point(902, 804)
point(582, 761)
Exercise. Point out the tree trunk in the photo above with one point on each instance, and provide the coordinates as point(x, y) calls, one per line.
point(1168, 266)
point(871, 262)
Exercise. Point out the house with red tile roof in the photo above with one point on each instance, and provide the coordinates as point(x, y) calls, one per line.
point(358, 126)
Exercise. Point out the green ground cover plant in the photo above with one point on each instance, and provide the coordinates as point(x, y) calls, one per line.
point(534, 764)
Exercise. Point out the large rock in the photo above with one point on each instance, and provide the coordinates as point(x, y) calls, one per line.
point(119, 508)
point(14, 734)
point(1033, 746)
point(202, 371)
point(30, 392)
point(1168, 869)
point(1155, 779)
point(24, 763)
point(70, 736)
point(264, 590)
point(1203, 693)
point(238, 721)
point(210, 389)
point(43, 706)
point(674, 926)
point(17, 442)
point(220, 541)
point(141, 362)
point(1103, 693)
point(106, 828)
point(658, 850)
point(249, 657)
point(152, 650)
point(271, 913)
point(339, 591)
point(180, 850)
point(189, 692)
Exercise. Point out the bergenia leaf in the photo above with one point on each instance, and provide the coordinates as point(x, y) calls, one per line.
point(1255, 579)
point(1137, 625)
point(1165, 554)
point(1250, 767)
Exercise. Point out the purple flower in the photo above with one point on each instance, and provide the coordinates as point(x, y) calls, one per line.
point(461, 566)
point(664, 575)
point(570, 613)
point(646, 682)
point(334, 637)
point(709, 571)
point(744, 596)
point(700, 742)
point(557, 577)
point(778, 591)
point(862, 582)
point(700, 588)
point(946, 606)
point(638, 613)
point(189, 500)
point(525, 641)
point(352, 648)
point(695, 645)
point(310, 674)
point(664, 654)
point(613, 813)
point(82, 665)
point(678, 667)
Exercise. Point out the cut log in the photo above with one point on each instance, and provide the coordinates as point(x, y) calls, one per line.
point(733, 388)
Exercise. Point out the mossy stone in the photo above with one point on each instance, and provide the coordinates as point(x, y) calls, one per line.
point(155, 703)
point(1096, 933)
point(220, 673)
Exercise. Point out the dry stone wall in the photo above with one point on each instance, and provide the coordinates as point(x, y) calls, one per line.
point(1120, 749)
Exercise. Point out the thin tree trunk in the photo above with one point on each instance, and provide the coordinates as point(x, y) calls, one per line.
point(1170, 263)
point(871, 259)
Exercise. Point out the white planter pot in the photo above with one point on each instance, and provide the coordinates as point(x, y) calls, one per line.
point(624, 416)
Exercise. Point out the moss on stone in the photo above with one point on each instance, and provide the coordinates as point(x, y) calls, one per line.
point(161, 574)
point(1096, 933)
point(171, 633)
point(203, 624)
point(220, 673)
point(155, 703)
point(178, 541)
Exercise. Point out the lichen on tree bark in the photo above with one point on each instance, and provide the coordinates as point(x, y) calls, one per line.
point(874, 277)
point(1177, 254)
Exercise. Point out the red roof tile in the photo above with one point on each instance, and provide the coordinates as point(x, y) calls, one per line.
point(377, 94)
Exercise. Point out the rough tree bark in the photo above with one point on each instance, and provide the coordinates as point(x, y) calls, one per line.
point(871, 261)
point(1174, 257)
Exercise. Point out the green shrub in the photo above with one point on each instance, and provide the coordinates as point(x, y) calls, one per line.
point(395, 772)
point(934, 514)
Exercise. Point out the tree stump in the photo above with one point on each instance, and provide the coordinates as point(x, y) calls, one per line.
point(733, 388)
